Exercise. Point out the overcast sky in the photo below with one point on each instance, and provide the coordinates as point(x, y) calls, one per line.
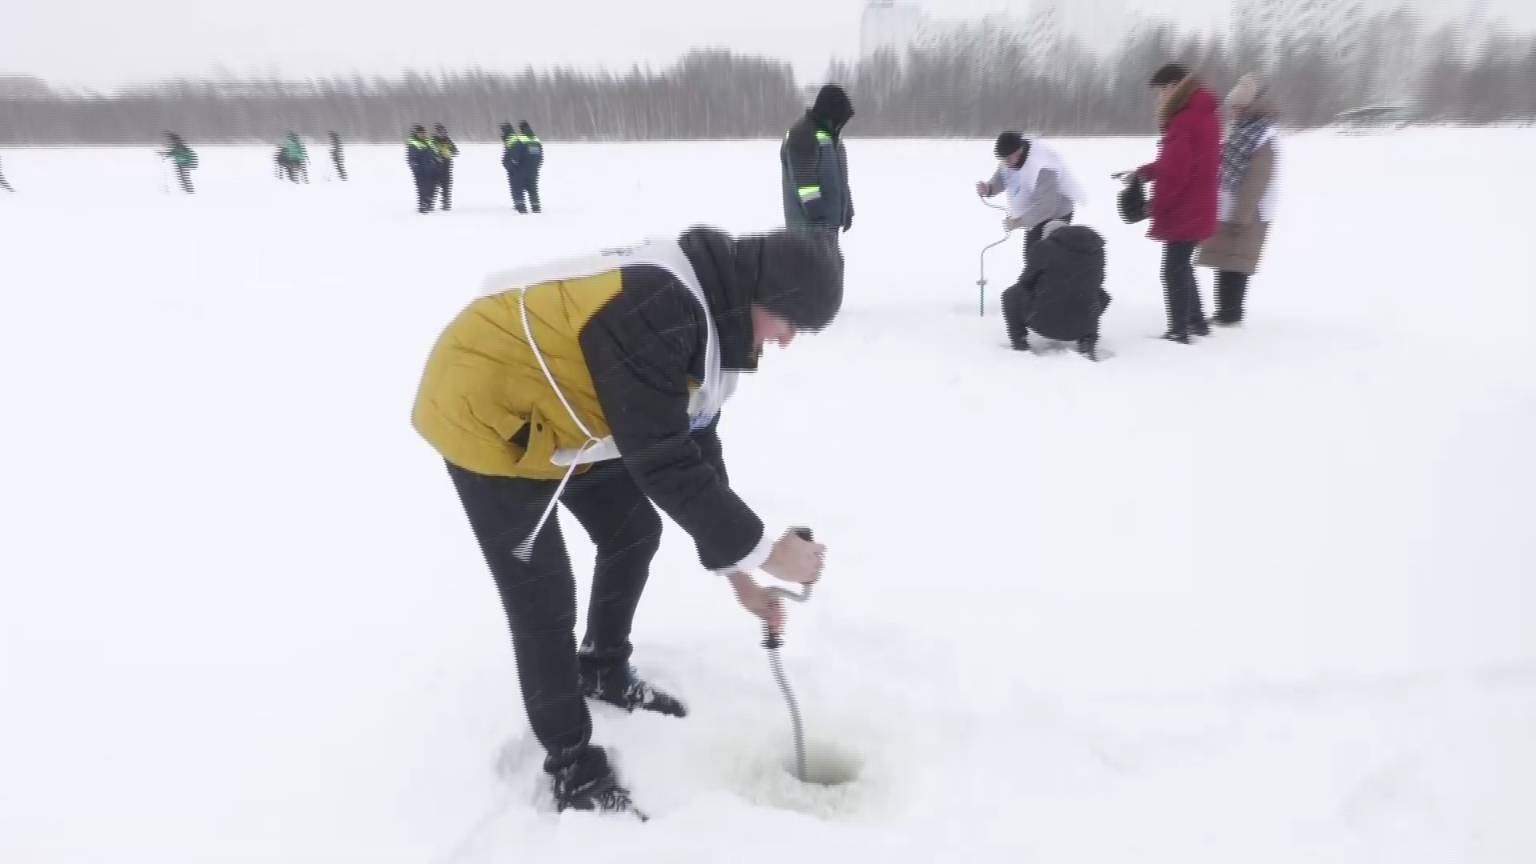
point(102, 43)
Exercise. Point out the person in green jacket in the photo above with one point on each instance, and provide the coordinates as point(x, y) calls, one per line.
point(183, 159)
point(293, 159)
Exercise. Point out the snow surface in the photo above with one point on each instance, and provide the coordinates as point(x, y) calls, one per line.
point(1268, 598)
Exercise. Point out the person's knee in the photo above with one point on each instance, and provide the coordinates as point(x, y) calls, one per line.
point(638, 535)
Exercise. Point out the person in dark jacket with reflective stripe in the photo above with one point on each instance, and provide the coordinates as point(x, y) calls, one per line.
point(814, 165)
point(1061, 294)
point(422, 159)
point(636, 349)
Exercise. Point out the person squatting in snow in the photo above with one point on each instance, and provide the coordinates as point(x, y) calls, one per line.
point(1246, 200)
point(1038, 185)
point(598, 383)
point(1184, 185)
point(1061, 294)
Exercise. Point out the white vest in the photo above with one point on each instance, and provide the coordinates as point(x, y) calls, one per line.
point(1020, 182)
point(704, 403)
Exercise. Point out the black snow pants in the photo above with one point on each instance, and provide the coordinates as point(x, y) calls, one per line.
point(525, 184)
point(445, 183)
point(539, 595)
point(426, 188)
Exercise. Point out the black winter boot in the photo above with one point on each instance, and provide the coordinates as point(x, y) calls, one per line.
point(1178, 336)
point(589, 784)
point(1088, 346)
point(616, 683)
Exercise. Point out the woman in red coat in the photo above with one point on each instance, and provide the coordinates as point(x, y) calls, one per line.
point(1185, 180)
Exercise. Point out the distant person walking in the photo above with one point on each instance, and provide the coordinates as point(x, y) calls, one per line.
point(183, 159)
point(293, 159)
point(1246, 201)
point(3, 184)
point(337, 158)
point(1184, 178)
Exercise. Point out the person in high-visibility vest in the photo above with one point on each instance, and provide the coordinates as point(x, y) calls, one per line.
point(423, 161)
point(815, 165)
point(525, 156)
point(445, 149)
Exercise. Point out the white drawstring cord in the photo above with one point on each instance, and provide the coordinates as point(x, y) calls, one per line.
point(524, 550)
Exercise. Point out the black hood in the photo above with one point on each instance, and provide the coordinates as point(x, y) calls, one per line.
point(795, 274)
point(1077, 238)
point(832, 110)
point(713, 256)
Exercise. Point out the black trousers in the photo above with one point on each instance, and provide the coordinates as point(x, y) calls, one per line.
point(525, 185)
point(426, 189)
point(341, 168)
point(445, 183)
point(539, 595)
point(1181, 294)
point(1231, 290)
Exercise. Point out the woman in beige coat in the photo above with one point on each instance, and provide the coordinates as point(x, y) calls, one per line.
point(1246, 200)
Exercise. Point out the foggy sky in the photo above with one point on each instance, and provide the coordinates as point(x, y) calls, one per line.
point(102, 43)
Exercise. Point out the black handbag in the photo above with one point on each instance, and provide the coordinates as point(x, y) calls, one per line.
point(1133, 202)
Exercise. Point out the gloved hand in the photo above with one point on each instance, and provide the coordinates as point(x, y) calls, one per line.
point(1013, 223)
point(983, 189)
point(1127, 177)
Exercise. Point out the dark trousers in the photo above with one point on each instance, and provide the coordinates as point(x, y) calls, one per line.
point(539, 595)
point(426, 188)
point(1181, 295)
point(185, 177)
point(341, 169)
point(1231, 289)
point(445, 183)
point(525, 185)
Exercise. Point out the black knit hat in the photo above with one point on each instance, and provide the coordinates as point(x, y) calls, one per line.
point(1008, 144)
point(796, 274)
point(1172, 73)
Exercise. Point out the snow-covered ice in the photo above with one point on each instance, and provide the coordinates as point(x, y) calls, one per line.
point(1269, 598)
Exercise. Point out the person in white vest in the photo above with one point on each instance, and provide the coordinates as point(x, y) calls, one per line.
point(597, 383)
point(1038, 185)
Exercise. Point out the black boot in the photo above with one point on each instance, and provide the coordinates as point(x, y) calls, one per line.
point(1088, 346)
point(588, 784)
point(1178, 336)
point(614, 681)
point(1019, 343)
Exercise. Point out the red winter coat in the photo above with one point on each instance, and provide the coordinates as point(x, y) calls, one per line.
point(1188, 168)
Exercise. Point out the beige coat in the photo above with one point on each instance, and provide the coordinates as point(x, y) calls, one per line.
point(1239, 242)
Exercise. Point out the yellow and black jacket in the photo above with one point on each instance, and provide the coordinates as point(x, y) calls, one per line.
point(626, 346)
